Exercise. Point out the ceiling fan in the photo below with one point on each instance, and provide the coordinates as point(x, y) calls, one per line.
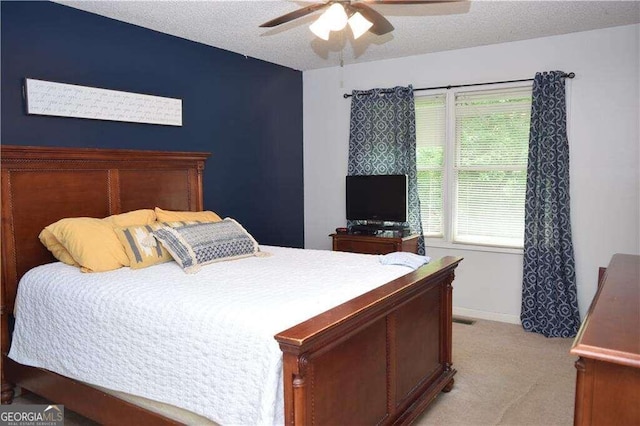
point(358, 14)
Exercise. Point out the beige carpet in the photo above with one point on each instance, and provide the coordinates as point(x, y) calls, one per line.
point(505, 377)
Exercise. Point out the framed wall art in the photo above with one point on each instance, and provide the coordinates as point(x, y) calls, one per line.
point(70, 100)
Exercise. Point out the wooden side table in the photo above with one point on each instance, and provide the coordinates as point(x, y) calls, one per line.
point(372, 244)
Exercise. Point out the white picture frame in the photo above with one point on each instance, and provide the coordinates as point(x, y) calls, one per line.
point(70, 100)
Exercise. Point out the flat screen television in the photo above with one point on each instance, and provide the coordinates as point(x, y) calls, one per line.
point(377, 198)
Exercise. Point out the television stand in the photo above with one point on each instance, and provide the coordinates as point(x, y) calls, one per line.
point(374, 244)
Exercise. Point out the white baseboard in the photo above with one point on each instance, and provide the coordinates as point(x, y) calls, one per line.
point(491, 316)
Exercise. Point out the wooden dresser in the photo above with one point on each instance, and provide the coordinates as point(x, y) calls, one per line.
point(608, 344)
point(371, 244)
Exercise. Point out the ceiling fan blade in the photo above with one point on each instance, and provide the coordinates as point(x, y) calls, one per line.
point(380, 24)
point(293, 15)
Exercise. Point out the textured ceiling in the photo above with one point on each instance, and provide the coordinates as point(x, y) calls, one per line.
point(234, 26)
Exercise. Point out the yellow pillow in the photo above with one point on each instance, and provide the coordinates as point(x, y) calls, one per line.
point(141, 246)
point(60, 252)
point(57, 249)
point(171, 216)
point(136, 217)
point(91, 242)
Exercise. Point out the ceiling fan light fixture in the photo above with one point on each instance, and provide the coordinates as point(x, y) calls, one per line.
point(333, 19)
point(336, 17)
point(359, 24)
point(320, 28)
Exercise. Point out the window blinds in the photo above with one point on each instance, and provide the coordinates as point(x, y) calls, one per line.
point(430, 151)
point(490, 161)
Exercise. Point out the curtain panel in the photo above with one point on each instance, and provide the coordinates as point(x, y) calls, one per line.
point(382, 141)
point(549, 294)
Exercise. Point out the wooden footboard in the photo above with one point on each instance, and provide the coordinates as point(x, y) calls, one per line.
point(378, 359)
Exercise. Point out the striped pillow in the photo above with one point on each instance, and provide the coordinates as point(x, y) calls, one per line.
point(141, 246)
point(192, 246)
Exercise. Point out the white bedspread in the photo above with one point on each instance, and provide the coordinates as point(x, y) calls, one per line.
point(202, 342)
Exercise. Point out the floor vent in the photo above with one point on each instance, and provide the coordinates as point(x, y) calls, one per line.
point(465, 321)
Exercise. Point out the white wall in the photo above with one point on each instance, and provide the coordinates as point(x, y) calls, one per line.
point(603, 130)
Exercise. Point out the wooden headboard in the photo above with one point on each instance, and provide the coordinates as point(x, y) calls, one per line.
point(41, 185)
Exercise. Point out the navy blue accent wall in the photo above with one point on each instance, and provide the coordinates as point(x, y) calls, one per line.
point(246, 112)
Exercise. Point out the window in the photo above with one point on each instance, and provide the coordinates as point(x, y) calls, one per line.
point(430, 152)
point(472, 163)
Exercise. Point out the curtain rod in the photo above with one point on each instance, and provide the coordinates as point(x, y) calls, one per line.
point(565, 75)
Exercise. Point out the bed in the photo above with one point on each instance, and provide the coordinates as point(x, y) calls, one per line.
point(394, 341)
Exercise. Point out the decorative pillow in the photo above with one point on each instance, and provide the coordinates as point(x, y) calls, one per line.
point(192, 246)
point(172, 216)
point(141, 246)
point(91, 242)
point(57, 249)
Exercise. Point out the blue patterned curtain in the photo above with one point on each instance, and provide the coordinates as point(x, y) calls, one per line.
point(549, 295)
point(382, 141)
